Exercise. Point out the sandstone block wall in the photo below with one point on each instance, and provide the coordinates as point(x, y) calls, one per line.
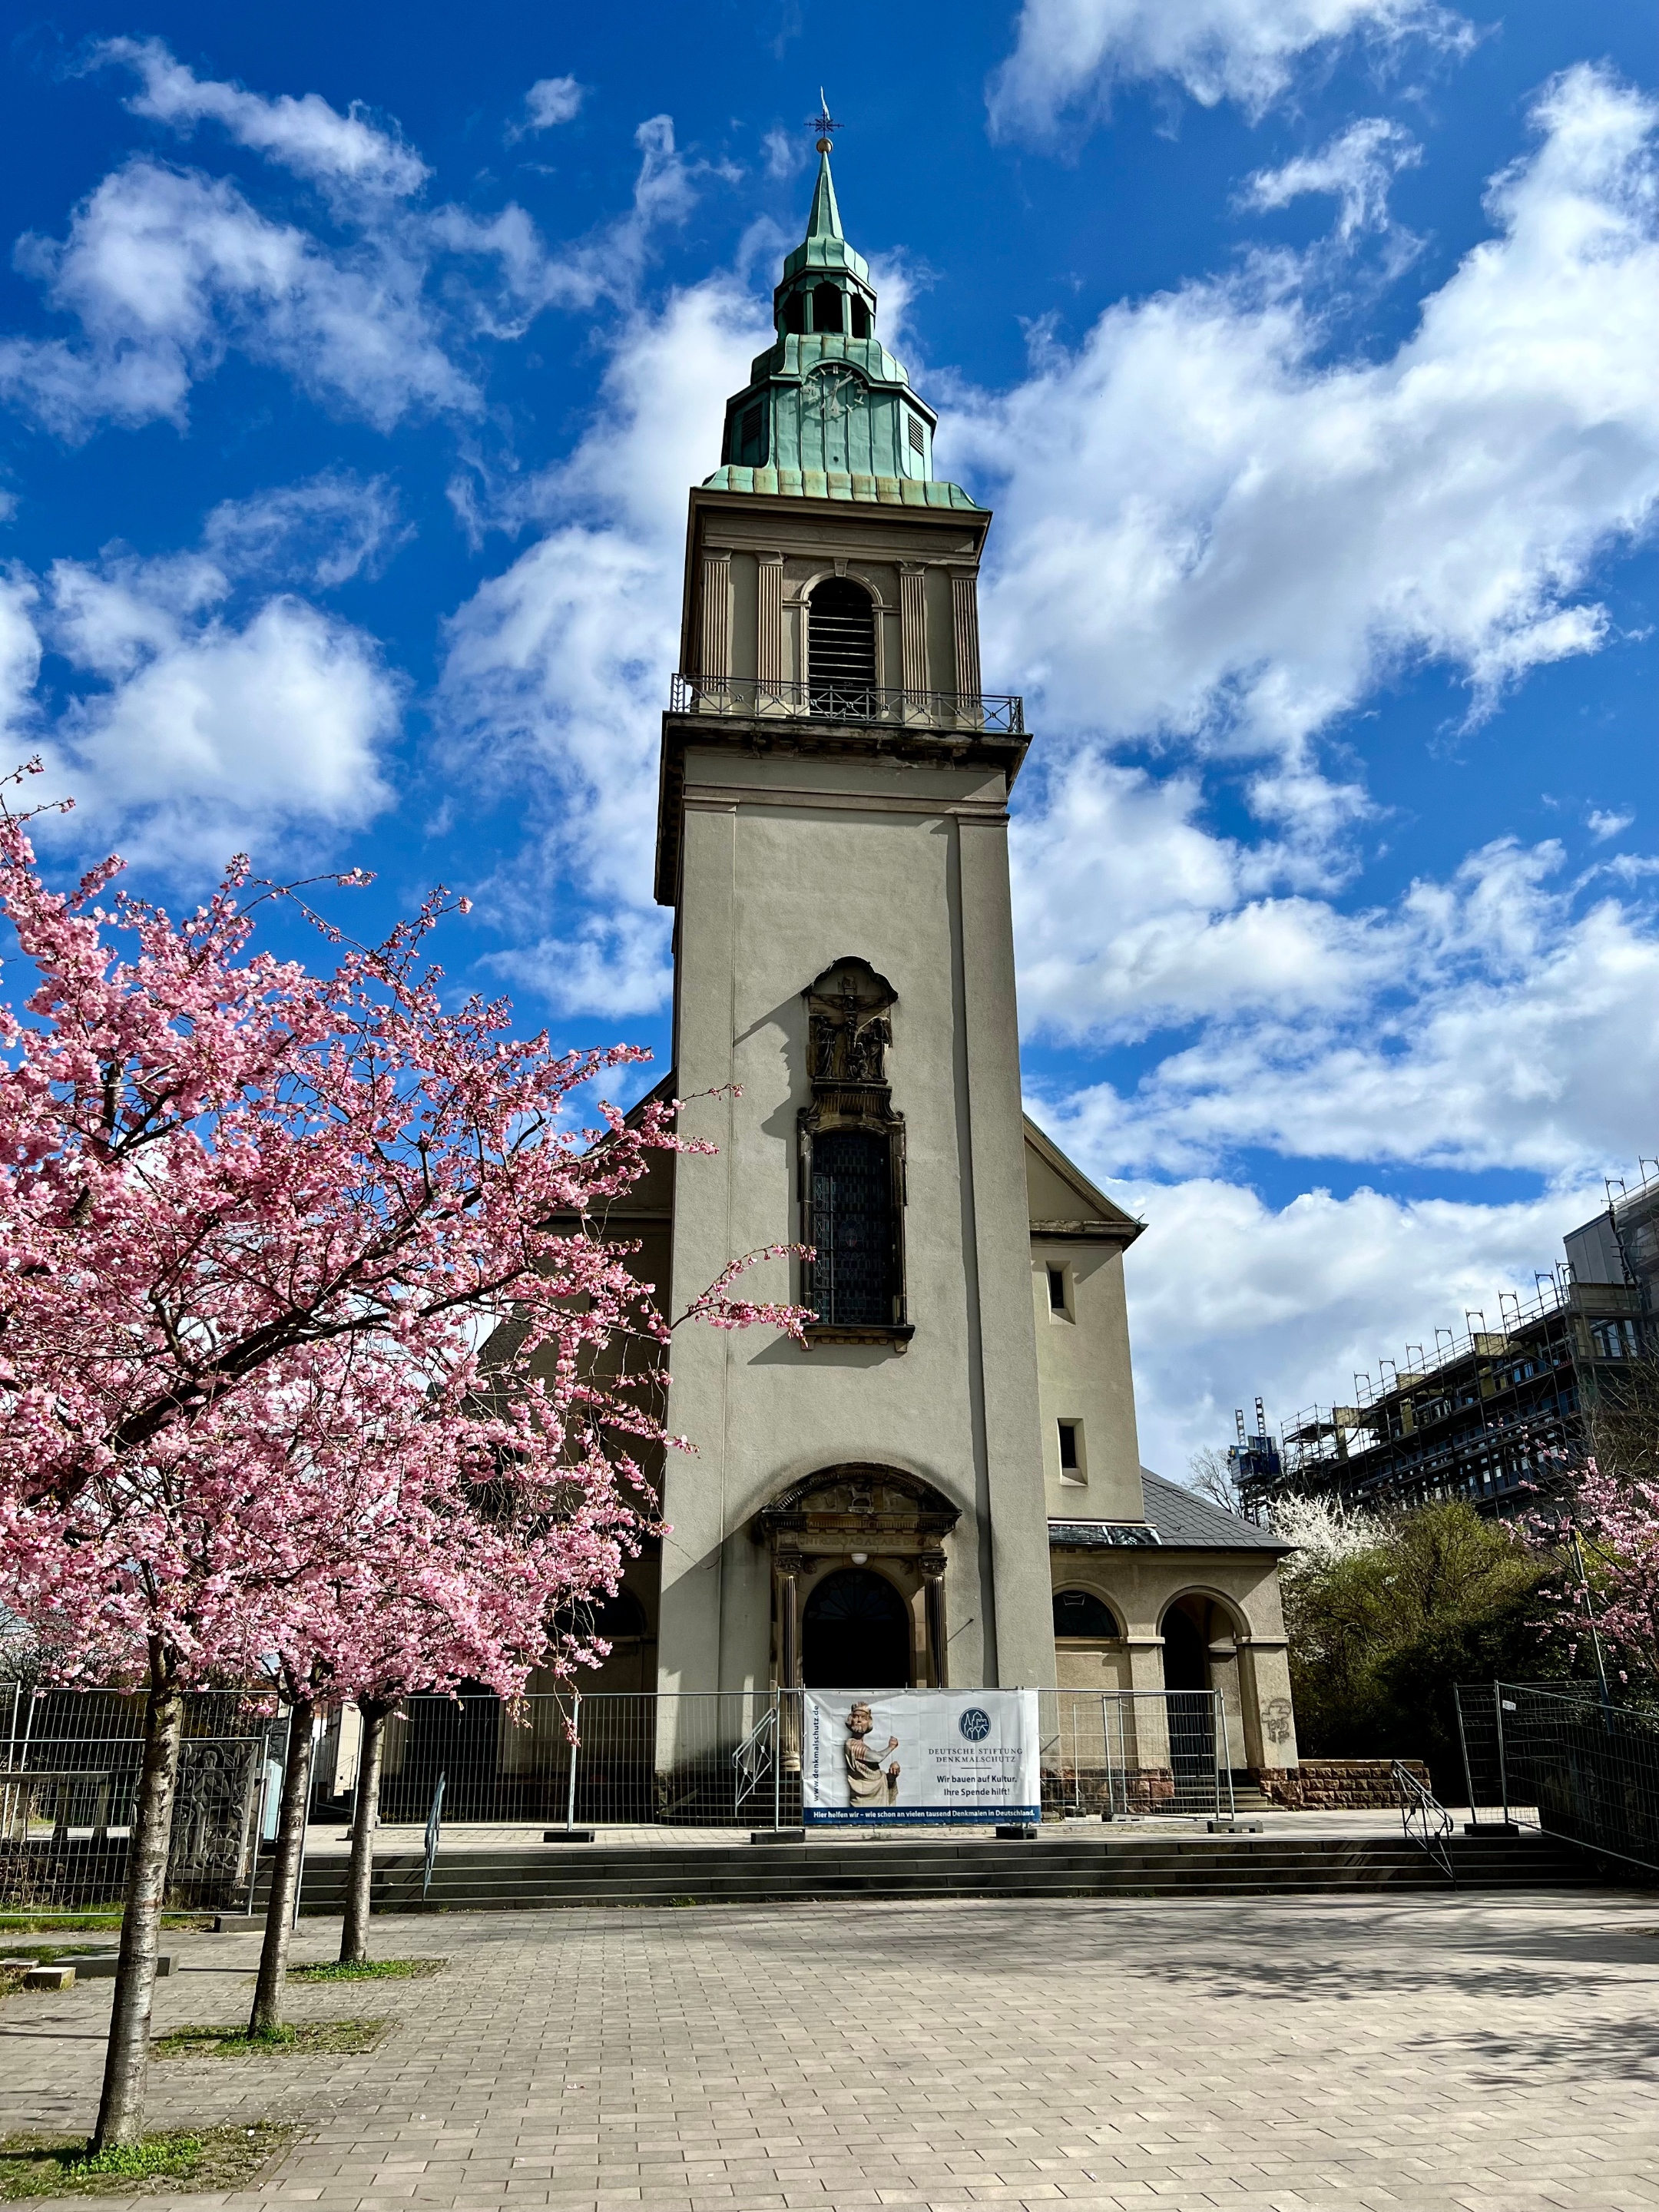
point(1333, 1785)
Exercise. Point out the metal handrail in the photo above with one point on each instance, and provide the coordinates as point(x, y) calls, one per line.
point(1424, 1820)
point(995, 714)
point(756, 1756)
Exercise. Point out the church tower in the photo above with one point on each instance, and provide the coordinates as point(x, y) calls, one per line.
point(869, 1509)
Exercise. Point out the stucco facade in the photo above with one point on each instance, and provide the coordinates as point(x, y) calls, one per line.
point(907, 1497)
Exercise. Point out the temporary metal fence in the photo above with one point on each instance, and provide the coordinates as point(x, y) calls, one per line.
point(1559, 1757)
point(731, 1758)
point(1130, 1754)
point(72, 1760)
point(612, 1759)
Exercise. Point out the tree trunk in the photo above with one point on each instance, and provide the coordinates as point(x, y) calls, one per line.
point(365, 1818)
point(285, 1871)
point(121, 2108)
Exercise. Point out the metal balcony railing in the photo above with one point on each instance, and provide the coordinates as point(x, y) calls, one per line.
point(752, 699)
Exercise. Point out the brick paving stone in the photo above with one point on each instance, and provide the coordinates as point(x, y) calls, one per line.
point(1428, 2054)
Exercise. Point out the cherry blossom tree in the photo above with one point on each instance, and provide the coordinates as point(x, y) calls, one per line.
point(1608, 1590)
point(236, 1199)
point(440, 1542)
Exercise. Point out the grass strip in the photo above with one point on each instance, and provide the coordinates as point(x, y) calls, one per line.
point(298, 2039)
point(52, 1924)
point(47, 1954)
point(370, 1970)
point(206, 2158)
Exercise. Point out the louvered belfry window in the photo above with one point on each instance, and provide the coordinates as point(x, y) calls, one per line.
point(842, 647)
point(853, 1227)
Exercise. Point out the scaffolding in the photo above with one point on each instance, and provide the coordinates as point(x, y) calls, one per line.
point(1492, 1416)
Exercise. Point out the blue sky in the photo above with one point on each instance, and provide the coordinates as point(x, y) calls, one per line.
point(354, 364)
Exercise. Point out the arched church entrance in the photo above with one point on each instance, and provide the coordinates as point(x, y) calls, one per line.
point(1189, 1628)
point(859, 1560)
point(855, 1634)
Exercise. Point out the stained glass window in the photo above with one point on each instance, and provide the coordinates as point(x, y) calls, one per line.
point(853, 1227)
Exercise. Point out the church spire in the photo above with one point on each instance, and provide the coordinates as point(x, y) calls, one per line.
point(828, 413)
point(824, 252)
point(824, 222)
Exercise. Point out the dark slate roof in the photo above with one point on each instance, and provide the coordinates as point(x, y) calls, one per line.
point(1176, 1519)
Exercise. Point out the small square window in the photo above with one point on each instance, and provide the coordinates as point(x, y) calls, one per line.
point(1068, 1452)
point(1057, 1289)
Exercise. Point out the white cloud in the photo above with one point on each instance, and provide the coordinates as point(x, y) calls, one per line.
point(1229, 1297)
point(1070, 53)
point(165, 270)
point(608, 266)
point(784, 151)
point(1205, 528)
point(20, 654)
point(321, 532)
point(562, 662)
point(1210, 538)
point(194, 733)
point(1132, 915)
point(550, 101)
point(1355, 169)
point(1495, 1021)
point(615, 964)
point(306, 136)
point(1602, 823)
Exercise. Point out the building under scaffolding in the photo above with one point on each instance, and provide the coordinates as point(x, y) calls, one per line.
point(1494, 1415)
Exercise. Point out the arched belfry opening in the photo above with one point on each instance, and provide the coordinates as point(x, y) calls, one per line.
point(841, 647)
point(858, 1555)
point(826, 307)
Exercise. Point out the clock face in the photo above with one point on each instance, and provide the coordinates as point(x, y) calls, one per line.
point(836, 391)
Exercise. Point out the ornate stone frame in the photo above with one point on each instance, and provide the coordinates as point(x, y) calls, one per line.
point(849, 1032)
point(821, 1521)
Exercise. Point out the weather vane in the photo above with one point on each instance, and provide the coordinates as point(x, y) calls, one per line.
point(823, 123)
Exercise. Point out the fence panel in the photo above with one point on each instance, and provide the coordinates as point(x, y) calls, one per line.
point(71, 1767)
point(1131, 1753)
point(1557, 1756)
point(615, 1758)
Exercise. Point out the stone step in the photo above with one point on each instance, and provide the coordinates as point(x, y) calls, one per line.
point(1114, 1865)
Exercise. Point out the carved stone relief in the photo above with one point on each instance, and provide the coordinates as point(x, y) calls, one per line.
point(848, 1028)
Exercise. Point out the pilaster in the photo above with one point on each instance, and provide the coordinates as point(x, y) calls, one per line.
point(768, 667)
point(913, 624)
point(964, 619)
point(716, 640)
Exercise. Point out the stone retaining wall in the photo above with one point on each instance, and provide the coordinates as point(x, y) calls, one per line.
point(1337, 1785)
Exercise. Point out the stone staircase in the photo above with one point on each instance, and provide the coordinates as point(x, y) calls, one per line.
point(1067, 1863)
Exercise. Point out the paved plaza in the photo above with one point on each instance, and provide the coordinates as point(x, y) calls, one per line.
point(1482, 2053)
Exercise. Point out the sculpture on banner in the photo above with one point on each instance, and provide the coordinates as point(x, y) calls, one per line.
point(867, 1781)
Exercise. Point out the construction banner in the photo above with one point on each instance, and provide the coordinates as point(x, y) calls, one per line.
point(895, 1757)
